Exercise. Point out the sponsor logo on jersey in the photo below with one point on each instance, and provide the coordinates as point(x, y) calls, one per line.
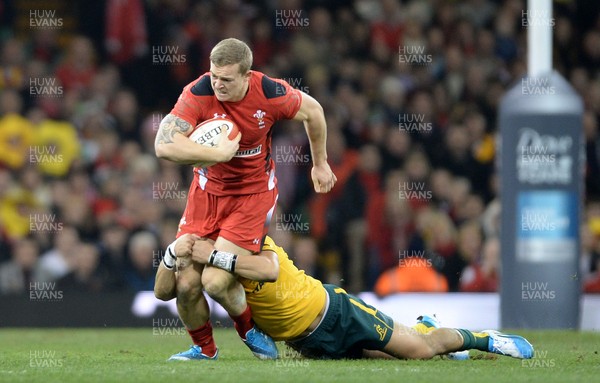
point(249, 152)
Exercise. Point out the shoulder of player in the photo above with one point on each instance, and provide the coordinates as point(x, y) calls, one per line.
point(272, 88)
point(200, 87)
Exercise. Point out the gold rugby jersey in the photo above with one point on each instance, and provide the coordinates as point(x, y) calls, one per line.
point(285, 308)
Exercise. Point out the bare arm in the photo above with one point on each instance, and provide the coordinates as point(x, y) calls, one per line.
point(263, 267)
point(312, 115)
point(165, 281)
point(172, 144)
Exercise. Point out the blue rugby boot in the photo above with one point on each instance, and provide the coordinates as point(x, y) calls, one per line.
point(194, 353)
point(509, 345)
point(261, 345)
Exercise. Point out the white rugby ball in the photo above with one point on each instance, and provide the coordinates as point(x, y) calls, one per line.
point(210, 132)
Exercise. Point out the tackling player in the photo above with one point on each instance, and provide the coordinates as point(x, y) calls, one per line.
point(323, 321)
point(232, 201)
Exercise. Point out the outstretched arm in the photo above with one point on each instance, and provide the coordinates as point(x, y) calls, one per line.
point(172, 144)
point(263, 267)
point(165, 280)
point(311, 113)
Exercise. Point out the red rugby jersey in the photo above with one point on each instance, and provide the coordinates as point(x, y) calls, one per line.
point(252, 169)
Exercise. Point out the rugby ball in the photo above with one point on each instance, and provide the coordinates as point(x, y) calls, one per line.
point(210, 132)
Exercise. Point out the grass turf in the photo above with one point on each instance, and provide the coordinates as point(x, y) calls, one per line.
point(139, 355)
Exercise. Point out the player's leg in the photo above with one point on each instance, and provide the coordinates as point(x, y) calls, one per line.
point(427, 323)
point(244, 221)
point(489, 340)
point(191, 304)
point(407, 343)
point(224, 288)
point(186, 286)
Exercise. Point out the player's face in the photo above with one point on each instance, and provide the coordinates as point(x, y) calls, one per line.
point(228, 83)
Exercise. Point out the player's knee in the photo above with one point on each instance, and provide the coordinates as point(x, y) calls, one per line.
point(215, 284)
point(410, 346)
point(426, 349)
point(188, 289)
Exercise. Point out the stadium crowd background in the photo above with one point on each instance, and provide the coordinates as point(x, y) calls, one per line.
point(410, 91)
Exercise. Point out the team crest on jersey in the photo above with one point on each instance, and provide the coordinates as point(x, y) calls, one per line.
point(259, 115)
point(381, 331)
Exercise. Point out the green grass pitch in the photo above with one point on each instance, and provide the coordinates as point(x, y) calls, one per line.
point(139, 355)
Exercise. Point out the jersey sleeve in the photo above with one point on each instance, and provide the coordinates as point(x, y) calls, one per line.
point(187, 107)
point(285, 100)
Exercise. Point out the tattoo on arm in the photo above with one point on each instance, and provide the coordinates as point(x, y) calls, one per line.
point(169, 126)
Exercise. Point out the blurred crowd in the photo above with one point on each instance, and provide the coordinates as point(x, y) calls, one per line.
point(85, 203)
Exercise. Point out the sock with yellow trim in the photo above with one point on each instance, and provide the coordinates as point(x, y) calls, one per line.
point(423, 328)
point(474, 340)
point(426, 324)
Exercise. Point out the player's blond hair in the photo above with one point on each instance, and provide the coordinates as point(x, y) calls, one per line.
point(232, 51)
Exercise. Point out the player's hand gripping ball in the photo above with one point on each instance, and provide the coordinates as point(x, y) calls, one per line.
point(210, 132)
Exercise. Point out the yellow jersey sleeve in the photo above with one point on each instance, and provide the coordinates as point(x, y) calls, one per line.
point(285, 308)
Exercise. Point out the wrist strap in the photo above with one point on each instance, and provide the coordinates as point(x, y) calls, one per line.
point(223, 260)
point(170, 258)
